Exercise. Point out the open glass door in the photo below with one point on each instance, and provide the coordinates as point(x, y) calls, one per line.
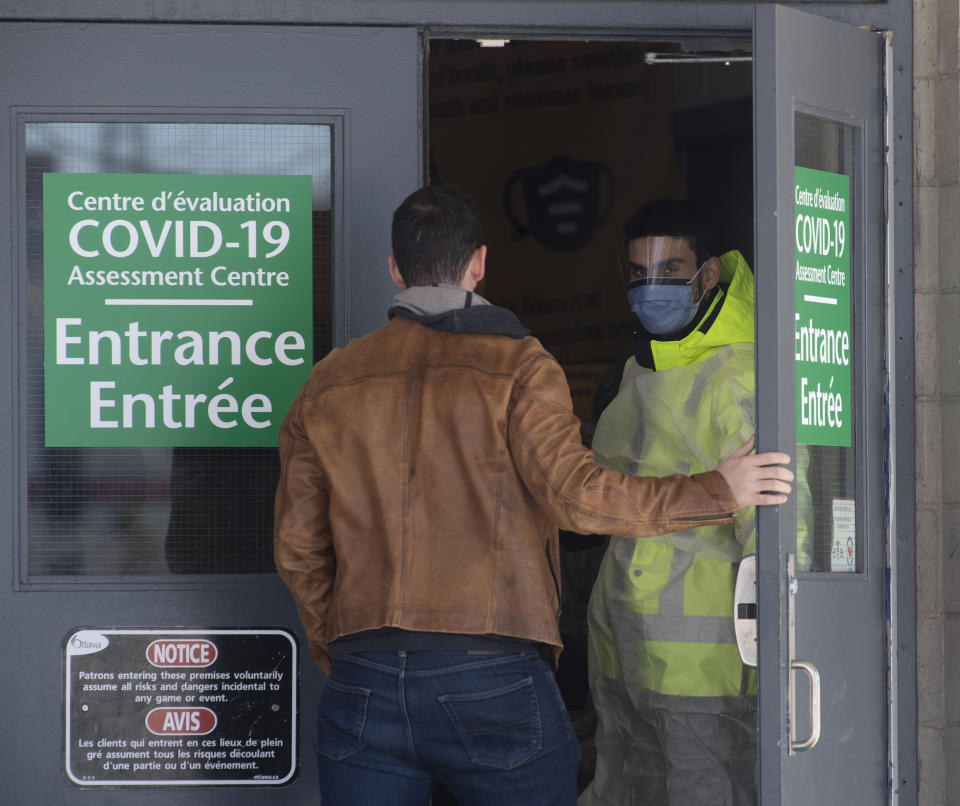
point(820, 293)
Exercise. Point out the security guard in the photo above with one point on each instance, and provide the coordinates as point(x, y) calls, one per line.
point(676, 707)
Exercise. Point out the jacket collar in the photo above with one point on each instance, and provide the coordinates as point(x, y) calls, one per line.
point(453, 310)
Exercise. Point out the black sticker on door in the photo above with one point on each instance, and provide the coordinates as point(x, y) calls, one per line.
point(180, 707)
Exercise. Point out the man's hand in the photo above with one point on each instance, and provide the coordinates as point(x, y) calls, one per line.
point(757, 479)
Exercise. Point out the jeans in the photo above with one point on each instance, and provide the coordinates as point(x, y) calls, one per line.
point(491, 726)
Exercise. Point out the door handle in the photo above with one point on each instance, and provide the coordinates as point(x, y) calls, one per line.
point(814, 676)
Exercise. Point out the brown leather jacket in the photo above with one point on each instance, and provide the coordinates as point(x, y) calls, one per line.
point(424, 475)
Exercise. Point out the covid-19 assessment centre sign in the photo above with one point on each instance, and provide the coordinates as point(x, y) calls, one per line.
point(177, 308)
point(822, 340)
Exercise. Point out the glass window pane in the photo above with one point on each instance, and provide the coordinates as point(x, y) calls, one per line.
point(179, 508)
point(825, 159)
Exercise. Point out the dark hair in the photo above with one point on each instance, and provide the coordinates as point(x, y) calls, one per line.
point(435, 232)
point(672, 217)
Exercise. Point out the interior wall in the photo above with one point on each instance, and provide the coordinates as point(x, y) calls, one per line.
point(560, 142)
point(713, 121)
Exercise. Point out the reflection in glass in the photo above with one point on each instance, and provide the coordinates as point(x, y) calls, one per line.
point(114, 511)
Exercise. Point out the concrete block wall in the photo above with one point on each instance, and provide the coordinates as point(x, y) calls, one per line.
point(936, 28)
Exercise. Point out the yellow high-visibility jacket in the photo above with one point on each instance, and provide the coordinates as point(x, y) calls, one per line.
point(660, 613)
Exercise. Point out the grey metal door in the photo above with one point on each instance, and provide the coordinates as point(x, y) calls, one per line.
point(821, 279)
point(128, 526)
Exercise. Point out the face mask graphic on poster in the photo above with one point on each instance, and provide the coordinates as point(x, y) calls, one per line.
point(177, 308)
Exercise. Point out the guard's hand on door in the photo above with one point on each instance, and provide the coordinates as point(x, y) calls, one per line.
point(757, 479)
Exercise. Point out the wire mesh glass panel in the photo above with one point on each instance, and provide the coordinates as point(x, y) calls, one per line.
point(171, 507)
point(825, 159)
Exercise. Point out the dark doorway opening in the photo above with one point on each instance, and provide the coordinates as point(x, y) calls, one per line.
point(560, 142)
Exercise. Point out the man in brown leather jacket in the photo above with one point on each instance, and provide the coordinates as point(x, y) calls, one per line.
point(426, 468)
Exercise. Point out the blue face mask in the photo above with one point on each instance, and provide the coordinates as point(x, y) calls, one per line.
point(663, 307)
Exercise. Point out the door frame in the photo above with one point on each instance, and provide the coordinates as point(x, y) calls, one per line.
point(615, 20)
point(899, 527)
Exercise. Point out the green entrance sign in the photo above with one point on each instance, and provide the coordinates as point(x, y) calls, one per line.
point(822, 337)
point(177, 308)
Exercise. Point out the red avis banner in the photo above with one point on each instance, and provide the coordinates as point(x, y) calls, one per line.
point(181, 721)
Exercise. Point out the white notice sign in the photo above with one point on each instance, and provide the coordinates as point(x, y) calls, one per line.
point(843, 550)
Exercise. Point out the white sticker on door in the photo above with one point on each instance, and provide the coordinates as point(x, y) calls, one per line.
point(843, 551)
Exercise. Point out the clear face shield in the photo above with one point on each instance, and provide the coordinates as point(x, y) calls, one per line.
point(661, 275)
